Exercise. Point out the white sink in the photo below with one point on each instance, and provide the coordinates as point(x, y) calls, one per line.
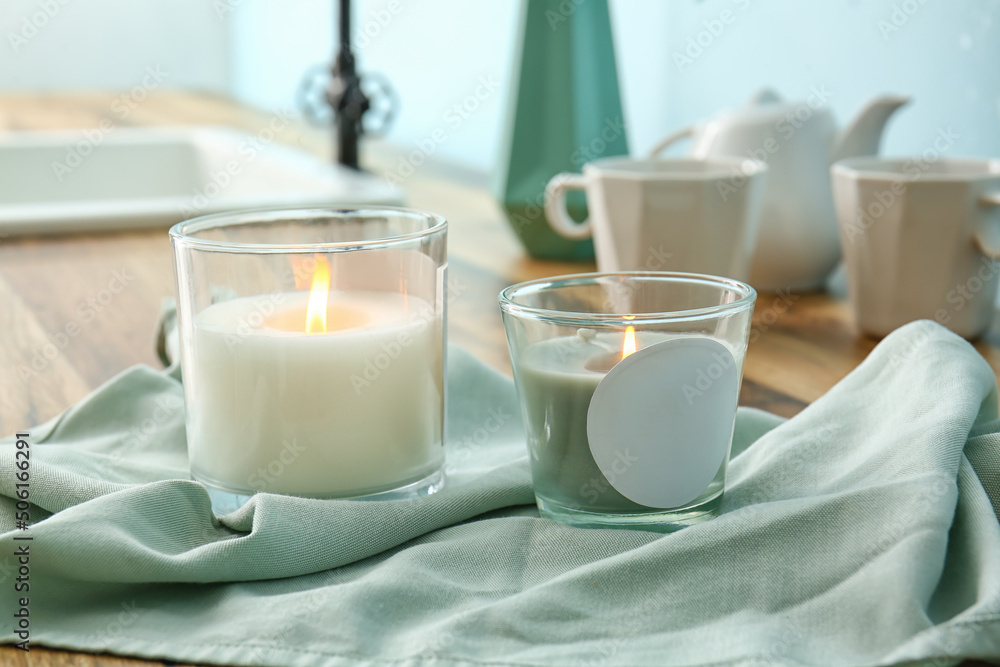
point(128, 177)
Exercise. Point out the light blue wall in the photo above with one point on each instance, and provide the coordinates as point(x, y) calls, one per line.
point(88, 44)
point(436, 53)
point(273, 44)
point(944, 54)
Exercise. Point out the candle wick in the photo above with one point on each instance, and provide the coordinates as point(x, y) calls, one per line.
point(589, 336)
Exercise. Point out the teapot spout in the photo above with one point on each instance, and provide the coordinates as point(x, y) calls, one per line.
point(863, 135)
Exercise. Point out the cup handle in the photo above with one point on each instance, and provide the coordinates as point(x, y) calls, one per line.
point(555, 206)
point(673, 138)
point(985, 244)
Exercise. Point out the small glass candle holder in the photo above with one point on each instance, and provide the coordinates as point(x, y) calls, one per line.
point(628, 384)
point(312, 351)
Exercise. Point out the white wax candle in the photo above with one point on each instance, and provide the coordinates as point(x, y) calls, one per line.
point(354, 410)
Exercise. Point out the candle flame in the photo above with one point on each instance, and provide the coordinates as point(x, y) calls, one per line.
point(628, 345)
point(318, 294)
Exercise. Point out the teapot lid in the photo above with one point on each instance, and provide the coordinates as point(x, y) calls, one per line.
point(767, 106)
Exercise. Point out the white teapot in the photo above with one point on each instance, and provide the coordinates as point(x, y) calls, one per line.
point(798, 243)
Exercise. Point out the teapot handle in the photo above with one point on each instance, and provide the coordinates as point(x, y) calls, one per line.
point(673, 138)
point(986, 245)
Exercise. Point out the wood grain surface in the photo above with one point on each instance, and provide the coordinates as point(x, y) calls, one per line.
point(801, 344)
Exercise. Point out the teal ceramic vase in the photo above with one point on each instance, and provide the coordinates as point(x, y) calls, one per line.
point(564, 110)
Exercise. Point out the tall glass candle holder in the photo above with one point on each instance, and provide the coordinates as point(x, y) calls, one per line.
point(312, 350)
point(628, 385)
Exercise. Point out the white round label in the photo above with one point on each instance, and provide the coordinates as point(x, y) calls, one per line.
point(661, 421)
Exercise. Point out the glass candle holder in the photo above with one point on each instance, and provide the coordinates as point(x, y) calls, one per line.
point(312, 350)
point(628, 384)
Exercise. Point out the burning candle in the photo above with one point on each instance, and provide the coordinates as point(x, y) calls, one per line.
point(316, 393)
point(629, 420)
point(558, 380)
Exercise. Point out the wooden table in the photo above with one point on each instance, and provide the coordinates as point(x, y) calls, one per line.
point(802, 344)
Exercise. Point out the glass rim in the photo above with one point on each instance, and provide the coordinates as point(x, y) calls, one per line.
point(509, 305)
point(878, 168)
point(713, 167)
point(182, 233)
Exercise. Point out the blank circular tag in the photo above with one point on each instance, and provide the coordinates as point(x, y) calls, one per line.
point(661, 420)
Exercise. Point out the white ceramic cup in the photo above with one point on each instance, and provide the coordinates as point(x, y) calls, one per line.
point(920, 241)
point(691, 215)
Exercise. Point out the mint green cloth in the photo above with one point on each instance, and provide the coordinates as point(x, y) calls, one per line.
point(862, 532)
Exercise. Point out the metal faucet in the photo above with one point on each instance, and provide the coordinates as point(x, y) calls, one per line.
point(338, 93)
